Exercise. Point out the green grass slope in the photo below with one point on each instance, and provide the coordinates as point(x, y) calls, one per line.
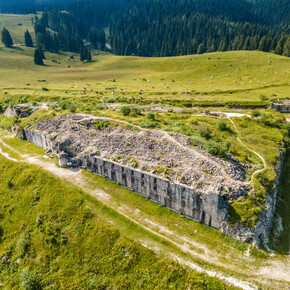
point(51, 238)
point(215, 78)
point(11, 21)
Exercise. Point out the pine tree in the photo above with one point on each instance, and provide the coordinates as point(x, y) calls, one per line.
point(38, 60)
point(200, 49)
point(286, 50)
point(263, 44)
point(40, 50)
point(6, 38)
point(83, 53)
point(88, 55)
point(255, 42)
point(280, 45)
point(247, 44)
point(223, 45)
point(55, 43)
point(28, 39)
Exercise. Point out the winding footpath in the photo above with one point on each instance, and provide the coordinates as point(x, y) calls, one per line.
point(256, 153)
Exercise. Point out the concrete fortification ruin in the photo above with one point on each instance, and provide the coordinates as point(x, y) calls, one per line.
point(165, 168)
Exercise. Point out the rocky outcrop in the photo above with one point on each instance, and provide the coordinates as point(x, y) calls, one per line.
point(20, 111)
point(281, 107)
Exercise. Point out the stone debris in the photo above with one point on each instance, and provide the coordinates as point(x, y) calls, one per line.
point(21, 111)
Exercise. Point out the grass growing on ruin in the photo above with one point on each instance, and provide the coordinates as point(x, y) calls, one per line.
point(51, 234)
point(264, 139)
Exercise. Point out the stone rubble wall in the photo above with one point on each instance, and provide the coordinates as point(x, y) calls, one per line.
point(206, 208)
point(283, 108)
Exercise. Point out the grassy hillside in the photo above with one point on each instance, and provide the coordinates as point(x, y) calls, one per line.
point(241, 77)
point(11, 21)
point(51, 237)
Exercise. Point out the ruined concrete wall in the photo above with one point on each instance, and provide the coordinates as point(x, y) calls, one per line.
point(265, 222)
point(283, 108)
point(206, 208)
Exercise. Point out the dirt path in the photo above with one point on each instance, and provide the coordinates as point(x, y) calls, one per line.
point(256, 153)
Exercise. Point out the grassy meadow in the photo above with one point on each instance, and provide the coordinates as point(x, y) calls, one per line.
point(214, 78)
point(11, 21)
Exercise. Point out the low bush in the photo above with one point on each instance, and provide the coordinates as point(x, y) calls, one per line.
point(271, 120)
point(221, 125)
point(150, 116)
point(217, 148)
point(256, 113)
point(204, 131)
point(101, 124)
point(125, 110)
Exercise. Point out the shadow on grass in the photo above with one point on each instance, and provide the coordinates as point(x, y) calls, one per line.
point(16, 48)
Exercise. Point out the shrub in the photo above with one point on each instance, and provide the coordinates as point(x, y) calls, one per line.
point(217, 149)
point(133, 114)
point(101, 124)
point(135, 164)
point(29, 281)
point(277, 122)
point(136, 110)
point(204, 131)
point(68, 105)
point(22, 246)
point(256, 113)
point(150, 116)
point(150, 125)
point(263, 98)
point(125, 110)
point(72, 107)
point(196, 141)
point(221, 125)
point(110, 100)
point(269, 120)
point(288, 128)
point(1, 233)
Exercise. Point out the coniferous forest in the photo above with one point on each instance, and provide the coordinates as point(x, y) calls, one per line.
point(163, 28)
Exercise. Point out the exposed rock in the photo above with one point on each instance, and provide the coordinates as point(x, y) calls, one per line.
point(283, 107)
point(20, 111)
